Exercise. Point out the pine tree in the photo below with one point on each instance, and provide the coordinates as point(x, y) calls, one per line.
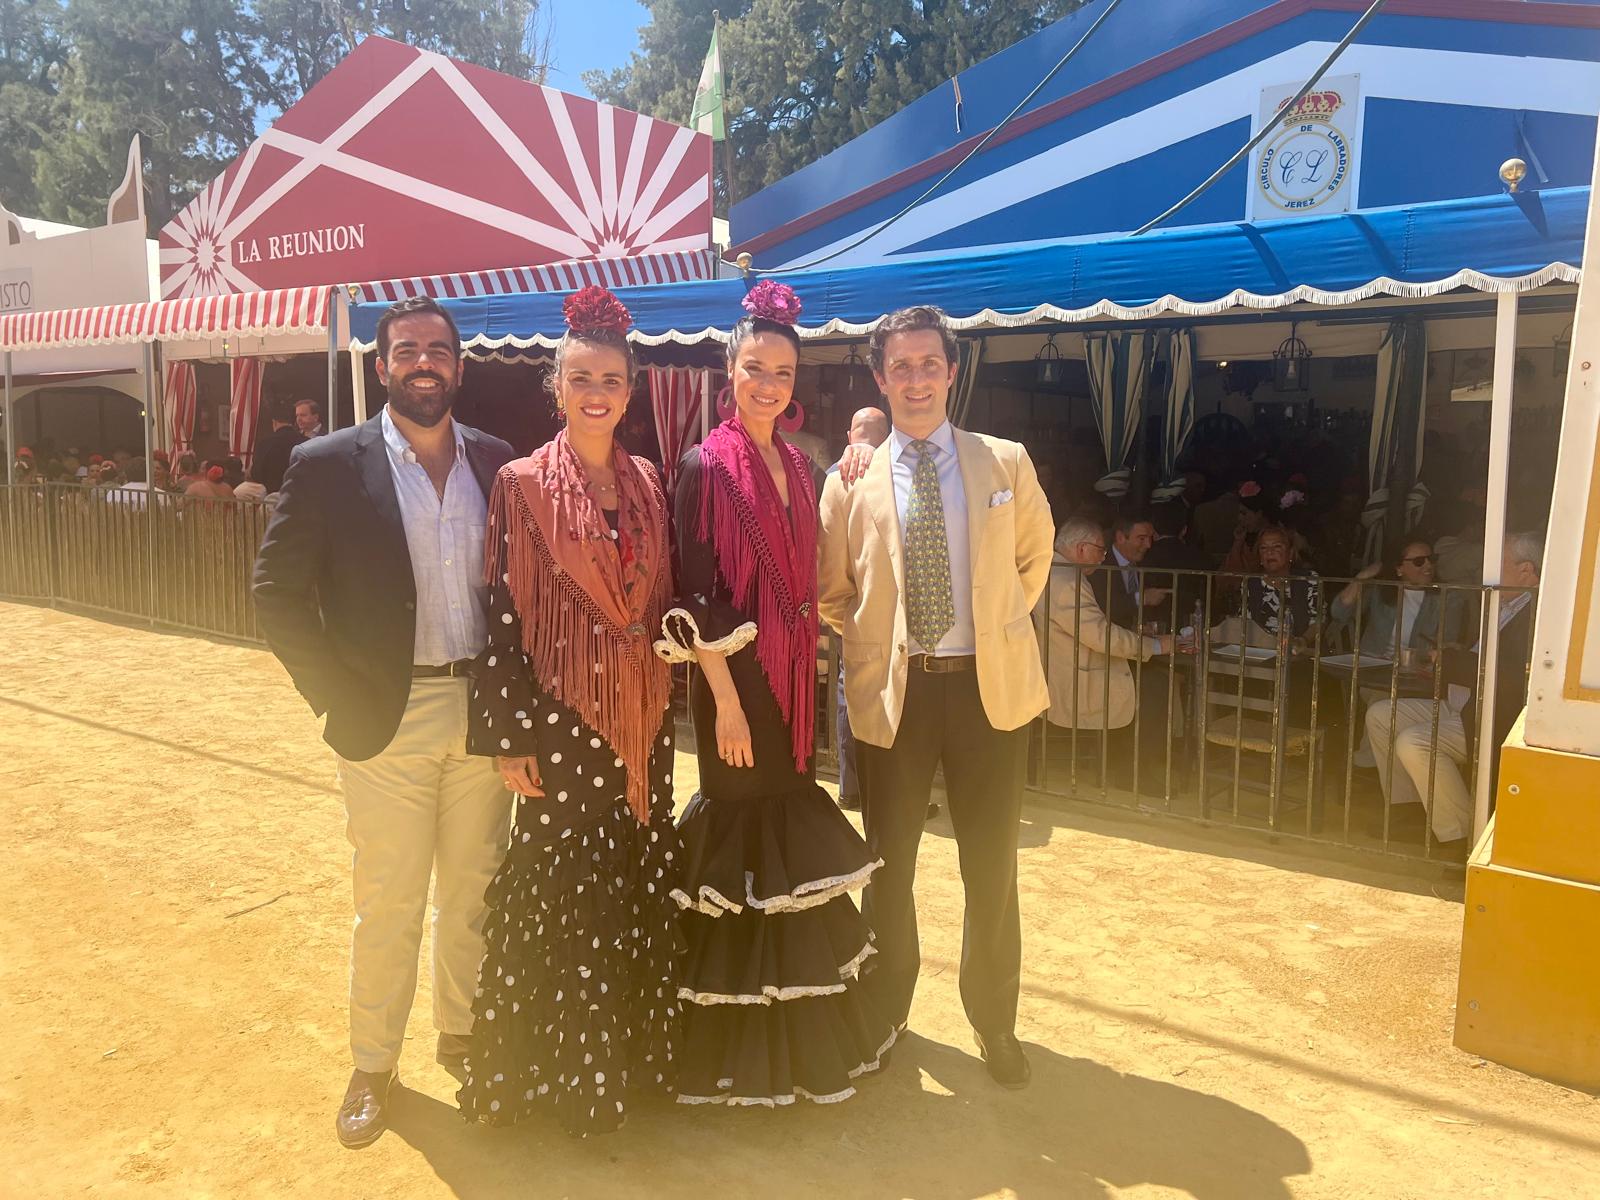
point(804, 76)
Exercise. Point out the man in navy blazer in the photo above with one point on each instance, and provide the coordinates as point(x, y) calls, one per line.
point(369, 587)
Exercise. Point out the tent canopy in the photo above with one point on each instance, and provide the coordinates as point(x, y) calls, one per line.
point(1488, 243)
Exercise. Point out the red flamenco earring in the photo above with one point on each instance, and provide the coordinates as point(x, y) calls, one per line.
point(792, 424)
point(725, 405)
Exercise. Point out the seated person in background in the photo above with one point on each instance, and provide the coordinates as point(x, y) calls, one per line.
point(1086, 658)
point(1121, 593)
point(1409, 727)
point(1419, 607)
point(1290, 596)
point(210, 485)
point(1241, 556)
point(1171, 523)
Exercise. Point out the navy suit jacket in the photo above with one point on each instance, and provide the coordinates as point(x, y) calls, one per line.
point(333, 585)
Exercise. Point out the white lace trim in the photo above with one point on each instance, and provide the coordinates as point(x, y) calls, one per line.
point(848, 973)
point(674, 649)
point(799, 1092)
point(807, 895)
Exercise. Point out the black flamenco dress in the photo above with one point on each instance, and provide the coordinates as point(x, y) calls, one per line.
point(773, 1007)
point(576, 1009)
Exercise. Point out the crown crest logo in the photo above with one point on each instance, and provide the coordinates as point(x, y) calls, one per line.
point(1317, 105)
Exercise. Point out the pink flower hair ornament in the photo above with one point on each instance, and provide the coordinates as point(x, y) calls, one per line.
point(773, 301)
point(1249, 488)
point(595, 310)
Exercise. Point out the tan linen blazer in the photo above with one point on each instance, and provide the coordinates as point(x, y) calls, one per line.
point(1081, 634)
point(861, 584)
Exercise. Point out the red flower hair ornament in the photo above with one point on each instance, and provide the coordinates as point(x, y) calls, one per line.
point(595, 310)
point(215, 474)
point(773, 301)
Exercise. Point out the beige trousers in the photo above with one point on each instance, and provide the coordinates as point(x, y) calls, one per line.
point(422, 807)
point(1411, 730)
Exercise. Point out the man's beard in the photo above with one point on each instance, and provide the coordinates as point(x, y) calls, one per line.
point(424, 410)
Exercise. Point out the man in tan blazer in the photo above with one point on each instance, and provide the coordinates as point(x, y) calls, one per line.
point(930, 567)
point(1084, 643)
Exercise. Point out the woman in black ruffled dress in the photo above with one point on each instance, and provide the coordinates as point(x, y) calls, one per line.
point(577, 1007)
point(773, 1008)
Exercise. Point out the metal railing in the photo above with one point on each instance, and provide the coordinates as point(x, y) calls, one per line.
point(174, 561)
point(1305, 729)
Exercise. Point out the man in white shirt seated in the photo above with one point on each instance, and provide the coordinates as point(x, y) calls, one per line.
point(1091, 684)
point(1410, 728)
point(136, 492)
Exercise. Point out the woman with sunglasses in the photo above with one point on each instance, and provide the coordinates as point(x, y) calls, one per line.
point(1412, 601)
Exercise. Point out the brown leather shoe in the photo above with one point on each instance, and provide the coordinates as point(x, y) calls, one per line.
point(451, 1053)
point(364, 1115)
point(1003, 1055)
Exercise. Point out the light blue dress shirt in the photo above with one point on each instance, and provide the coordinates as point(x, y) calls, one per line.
point(445, 537)
point(961, 638)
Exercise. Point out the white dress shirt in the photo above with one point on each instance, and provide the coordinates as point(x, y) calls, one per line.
point(961, 637)
point(445, 538)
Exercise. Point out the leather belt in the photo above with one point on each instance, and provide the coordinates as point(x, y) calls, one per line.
point(453, 670)
point(947, 665)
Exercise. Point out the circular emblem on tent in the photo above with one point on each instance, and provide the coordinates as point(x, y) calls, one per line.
point(1306, 162)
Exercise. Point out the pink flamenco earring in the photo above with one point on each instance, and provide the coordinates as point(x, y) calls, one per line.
point(725, 405)
point(792, 424)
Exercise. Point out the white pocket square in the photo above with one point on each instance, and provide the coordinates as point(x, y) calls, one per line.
point(999, 498)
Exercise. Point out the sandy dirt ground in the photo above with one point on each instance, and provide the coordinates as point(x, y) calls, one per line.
point(1205, 1018)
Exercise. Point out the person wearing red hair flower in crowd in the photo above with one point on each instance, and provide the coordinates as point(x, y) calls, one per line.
point(577, 1007)
point(776, 1009)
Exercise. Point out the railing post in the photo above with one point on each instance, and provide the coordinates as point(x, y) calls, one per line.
point(150, 366)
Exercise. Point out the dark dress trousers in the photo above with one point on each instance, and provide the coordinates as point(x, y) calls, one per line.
point(333, 586)
point(272, 456)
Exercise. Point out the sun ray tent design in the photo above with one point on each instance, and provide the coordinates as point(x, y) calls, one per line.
point(522, 188)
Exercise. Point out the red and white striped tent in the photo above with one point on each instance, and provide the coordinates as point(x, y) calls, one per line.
point(244, 314)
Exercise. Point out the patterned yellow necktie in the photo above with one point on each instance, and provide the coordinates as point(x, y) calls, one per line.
point(930, 609)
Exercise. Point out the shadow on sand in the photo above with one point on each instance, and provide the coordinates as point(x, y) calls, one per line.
point(932, 1125)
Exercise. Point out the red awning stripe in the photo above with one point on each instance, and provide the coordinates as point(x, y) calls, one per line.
point(247, 314)
point(672, 267)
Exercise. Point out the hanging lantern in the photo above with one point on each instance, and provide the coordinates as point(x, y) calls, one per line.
point(852, 361)
point(1563, 349)
point(1291, 363)
point(1047, 368)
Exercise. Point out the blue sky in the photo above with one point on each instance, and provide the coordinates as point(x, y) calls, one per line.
point(590, 35)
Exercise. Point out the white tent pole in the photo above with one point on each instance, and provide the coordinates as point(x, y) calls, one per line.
point(358, 381)
point(149, 473)
point(1494, 536)
point(11, 429)
point(332, 407)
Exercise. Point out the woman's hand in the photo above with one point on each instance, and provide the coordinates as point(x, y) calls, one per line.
point(733, 736)
point(1369, 571)
point(853, 463)
point(520, 773)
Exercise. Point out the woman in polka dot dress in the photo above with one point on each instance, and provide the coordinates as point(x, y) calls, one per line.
point(774, 1009)
point(577, 1008)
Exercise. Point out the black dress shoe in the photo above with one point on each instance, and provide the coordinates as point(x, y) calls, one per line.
point(1003, 1055)
point(364, 1115)
point(850, 803)
point(933, 810)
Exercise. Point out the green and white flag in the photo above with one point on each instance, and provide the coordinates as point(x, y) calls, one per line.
point(706, 115)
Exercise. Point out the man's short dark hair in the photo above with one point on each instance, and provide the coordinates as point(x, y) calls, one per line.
point(910, 320)
point(1170, 519)
point(282, 410)
point(1125, 521)
point(409, 307)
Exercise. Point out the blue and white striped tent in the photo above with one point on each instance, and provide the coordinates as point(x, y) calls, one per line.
point(1426, 104)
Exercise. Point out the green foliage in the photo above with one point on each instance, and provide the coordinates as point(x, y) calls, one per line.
point(805, 76)
point(78, 78)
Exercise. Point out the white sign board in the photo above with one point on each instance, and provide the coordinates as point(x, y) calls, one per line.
point(16, 290)
point(1306, 165)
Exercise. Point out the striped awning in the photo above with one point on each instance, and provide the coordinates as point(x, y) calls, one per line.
point(639, 270)
point(244, 314)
